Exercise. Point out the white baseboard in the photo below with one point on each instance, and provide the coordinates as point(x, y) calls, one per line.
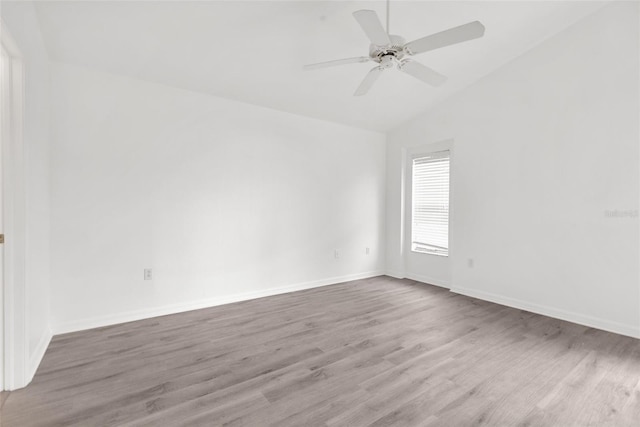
point(428, 280)
point(569, 316)
point(395, 274)
point(38, 353)
point(130, 316)
point(418, 278)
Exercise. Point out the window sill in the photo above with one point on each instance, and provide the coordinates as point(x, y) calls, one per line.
point(427, 252)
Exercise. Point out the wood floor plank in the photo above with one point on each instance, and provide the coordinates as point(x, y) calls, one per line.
point(378, 351)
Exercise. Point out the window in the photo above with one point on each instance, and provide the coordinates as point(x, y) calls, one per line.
point(430, 203)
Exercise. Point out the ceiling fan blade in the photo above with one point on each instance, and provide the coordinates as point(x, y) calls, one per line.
point(370, 23)
point(368, 81)
point(337, 62)
point(423, 73)
point(470, 31)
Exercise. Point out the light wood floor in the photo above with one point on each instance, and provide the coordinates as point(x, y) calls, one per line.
point(371, 352)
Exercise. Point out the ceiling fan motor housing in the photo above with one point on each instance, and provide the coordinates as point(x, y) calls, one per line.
point(389, 54)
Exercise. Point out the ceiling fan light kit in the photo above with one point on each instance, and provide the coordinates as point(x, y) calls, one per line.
point(392, 51)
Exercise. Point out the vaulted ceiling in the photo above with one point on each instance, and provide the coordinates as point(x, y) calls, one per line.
point(253, 51)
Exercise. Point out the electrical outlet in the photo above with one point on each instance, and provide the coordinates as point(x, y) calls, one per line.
point(148, 275)
point(470, 262)
point(336, 254)
point(366, 251)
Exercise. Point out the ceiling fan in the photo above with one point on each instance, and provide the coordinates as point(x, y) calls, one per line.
point(392, 51)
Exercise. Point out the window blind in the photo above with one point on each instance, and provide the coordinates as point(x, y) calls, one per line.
point(430, 203)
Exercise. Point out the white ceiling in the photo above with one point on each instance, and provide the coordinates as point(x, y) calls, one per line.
point(254, 51)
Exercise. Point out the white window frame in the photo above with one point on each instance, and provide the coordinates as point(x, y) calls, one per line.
point(425, 248)
point(409, 154)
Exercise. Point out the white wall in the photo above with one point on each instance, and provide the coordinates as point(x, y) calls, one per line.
point(22, 23)
point(222, 199)
point(543, 148)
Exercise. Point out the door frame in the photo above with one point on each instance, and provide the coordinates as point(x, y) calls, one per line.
point(13, 337)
